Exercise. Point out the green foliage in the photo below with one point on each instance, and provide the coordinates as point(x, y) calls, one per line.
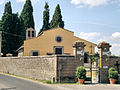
point(113, 73)
point(11, 27)
point(48, 82)
point(57, 18)
point(93, 59)
point(27, 15)
point(81, 72)
point(45, 18)
point(8, 9)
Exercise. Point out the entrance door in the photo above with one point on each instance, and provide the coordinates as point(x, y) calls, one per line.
point(58, 50)
point(86, 57)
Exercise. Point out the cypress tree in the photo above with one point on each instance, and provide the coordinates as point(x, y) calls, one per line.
point(18, 32)
point(45, 18)
point(27, 15)
point(57, 18)
point(8, 9)
point(6, 27)
point(11, 27)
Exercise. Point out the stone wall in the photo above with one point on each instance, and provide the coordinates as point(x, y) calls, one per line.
point(60, 68)
point(66, 67)
point(56, 67)
point(42, 68)
point(109, 62)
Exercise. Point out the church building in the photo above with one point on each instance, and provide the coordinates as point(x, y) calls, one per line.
point(51, 42)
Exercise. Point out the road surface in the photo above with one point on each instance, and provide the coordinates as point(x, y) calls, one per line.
point(13, 83)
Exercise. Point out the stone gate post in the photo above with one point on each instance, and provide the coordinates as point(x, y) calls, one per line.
point(104, 53)
point(78, 51)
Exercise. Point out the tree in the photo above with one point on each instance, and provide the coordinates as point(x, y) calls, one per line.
point(27, 15)
point(11, 27)
point(18, 32)
point(57, 18)
point(8, 8)
point(45, 18)
point(5, 25)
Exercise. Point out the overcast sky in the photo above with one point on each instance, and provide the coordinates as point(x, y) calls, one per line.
point(93, 20)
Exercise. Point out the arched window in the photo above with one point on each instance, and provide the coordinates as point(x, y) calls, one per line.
point(28, 33)
point(32, 33)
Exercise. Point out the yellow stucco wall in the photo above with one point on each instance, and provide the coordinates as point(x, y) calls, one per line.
point(46, 42)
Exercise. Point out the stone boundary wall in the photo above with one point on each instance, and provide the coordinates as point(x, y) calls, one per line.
point(55, 67)
point(110, 62)
point(66, 68)
point(42, 67)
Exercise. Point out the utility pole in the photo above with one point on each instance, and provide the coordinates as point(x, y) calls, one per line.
point(91, 62)
point(0, 42)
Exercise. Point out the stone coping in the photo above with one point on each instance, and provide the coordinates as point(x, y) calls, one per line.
point(46, 56)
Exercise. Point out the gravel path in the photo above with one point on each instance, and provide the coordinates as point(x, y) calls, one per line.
point(91, 87)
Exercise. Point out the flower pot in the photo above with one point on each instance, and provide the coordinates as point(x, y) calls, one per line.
point(112, 81)
point(80, 81)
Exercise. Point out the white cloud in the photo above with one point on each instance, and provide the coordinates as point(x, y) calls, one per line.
point(93, 3)
point(20, 0)
point(115, 48)
point(89, 3)
point(89, 36)
point(2, 1)
point(33, 1)
point(114, 40)
point(116, 35)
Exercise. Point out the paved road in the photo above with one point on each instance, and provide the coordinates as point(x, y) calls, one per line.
point(12, 83)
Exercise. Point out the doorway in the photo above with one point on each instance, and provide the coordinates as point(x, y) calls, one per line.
point(58, 49)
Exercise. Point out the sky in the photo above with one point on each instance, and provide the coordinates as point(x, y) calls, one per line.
point(92, 20)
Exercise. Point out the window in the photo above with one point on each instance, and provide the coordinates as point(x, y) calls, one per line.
point(58, 50)
point(35, 53)
point(32, 33)
point(58, 39)
point(28, 33)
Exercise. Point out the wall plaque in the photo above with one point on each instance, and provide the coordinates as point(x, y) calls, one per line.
point(105, 67)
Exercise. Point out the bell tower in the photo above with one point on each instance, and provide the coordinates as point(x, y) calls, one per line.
point(30, 33)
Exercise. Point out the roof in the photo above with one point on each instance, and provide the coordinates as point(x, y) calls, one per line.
point(31, 29)
point(86, 40)
point(53, 29)
point(22, 47)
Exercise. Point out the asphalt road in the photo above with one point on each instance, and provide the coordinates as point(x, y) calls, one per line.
point(12, 83)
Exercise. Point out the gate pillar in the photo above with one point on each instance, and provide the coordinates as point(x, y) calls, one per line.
point(104, 53)
point(78, 51)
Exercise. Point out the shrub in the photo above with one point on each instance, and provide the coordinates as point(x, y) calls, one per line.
point(113, 73)
point(81, 72)
point(93, 59)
